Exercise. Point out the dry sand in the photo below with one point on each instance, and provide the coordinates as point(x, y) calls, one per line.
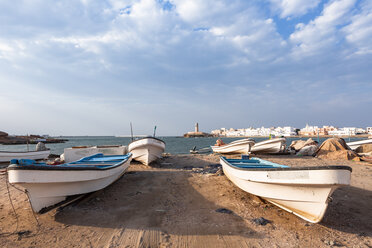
point(167, 205)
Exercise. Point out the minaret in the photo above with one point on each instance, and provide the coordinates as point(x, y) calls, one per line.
point(196, 127)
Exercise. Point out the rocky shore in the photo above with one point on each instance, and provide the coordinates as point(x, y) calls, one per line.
point(5, 139)
point(186, 201)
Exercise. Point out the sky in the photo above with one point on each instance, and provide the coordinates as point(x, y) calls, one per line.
point(91, 67)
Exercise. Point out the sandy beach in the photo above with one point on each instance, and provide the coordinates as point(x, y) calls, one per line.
point(173, 204)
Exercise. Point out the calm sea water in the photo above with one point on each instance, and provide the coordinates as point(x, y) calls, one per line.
point(174, 145)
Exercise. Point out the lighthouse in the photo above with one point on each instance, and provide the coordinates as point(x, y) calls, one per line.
point(196, 133)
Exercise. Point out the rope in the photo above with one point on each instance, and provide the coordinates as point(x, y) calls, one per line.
point(14, 211)
point(11, 203)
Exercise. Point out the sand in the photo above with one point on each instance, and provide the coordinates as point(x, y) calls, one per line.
point(173, 204)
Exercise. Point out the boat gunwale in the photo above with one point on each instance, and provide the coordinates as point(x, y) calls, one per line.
point(67, 167)
point(308, 168)
point(48, 150)
point(150, 137)
point(237, 142)
point(270, 141)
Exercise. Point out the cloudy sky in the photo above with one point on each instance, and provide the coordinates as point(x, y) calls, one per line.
point(91, 67)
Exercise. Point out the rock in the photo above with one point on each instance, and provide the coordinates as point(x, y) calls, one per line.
point(299, 144)
point(224, 211)
point(307, 150)
point(261, 221)
point(335, 149)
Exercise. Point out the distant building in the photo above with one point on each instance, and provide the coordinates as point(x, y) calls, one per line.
point(252, 132)
point(288, 131)
point(309, 130)
point(3, 134)
point(345, 131)
point(369, 130)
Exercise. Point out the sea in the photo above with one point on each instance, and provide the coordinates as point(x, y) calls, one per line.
point(174, 144)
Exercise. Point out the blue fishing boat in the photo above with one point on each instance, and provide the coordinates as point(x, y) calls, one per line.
point(303, 191)
point(48, 184)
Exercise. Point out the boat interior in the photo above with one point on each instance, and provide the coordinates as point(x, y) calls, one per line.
point(97, 161)
point(253, 163)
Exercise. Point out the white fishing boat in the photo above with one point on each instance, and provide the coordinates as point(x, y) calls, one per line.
point(47, 185)
point(303, 191)
point(146, 150)
point(271, 146)
point(242, 146)
point(75, 153)
point(6, 156)
point(355, 144)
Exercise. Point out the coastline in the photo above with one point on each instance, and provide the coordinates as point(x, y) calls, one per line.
point(173, 203)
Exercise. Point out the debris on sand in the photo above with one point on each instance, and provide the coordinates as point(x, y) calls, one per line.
point(261, 221)
point(224, 211)
point(23, 233)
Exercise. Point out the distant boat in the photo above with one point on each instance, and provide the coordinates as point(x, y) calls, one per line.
point(303, 191)
point(200, 151)
point(271, 146)
point(242, 146)
point(146, 150)
point(355, 144)
point(75, 153)
point(47, 185)
point(6, 156)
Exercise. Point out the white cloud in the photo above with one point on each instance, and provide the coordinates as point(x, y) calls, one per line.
point(359, 31)
point(322, 32)
point(197, 11)
point(293, 8)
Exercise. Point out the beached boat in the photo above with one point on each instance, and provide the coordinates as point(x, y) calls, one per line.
point(355, 144)
point(75, 153)
point(47, 185)
point(6, 156)
point(271, 146)
point(303, 191)
point(146, 150)
point(242, 146)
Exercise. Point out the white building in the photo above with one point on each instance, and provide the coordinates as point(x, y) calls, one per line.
point(345, 131)
point(284, 131)
point(369, 130)
point(262, 131)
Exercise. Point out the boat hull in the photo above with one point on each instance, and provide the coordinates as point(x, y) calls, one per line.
point(303, 192)
point(271, 146)
point(46, 188)
point(354, 145)
point(236, 147)
point(146, 150)
point(35, 155)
